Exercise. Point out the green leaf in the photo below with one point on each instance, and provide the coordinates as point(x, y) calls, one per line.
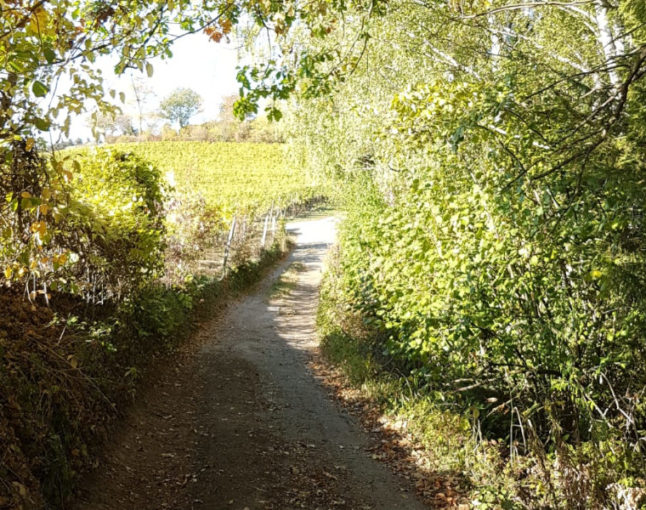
point(42, 124)
point(50, 55)
point(274, 114)
point(16, 65)
point(39, 89)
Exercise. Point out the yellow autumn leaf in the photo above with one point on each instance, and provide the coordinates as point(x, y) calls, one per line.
point(8, 272)
point(25, 194)
point(39, 19)
point(29, 144)
point(39, 227)
point(44, 209)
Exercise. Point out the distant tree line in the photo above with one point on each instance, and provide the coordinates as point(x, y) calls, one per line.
point(176, 110)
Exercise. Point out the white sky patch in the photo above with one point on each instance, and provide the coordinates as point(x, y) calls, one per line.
point(206, 67)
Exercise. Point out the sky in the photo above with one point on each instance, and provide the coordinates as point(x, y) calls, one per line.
point(206, 67)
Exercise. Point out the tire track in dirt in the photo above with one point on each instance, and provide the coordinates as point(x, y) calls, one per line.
point(242, 423)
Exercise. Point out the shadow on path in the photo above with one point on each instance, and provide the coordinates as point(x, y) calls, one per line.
point(243, 423)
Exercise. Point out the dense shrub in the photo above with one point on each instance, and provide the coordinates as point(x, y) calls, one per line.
point(96, 228)
point(115, 223)
point(495, 237)
point(536, 324)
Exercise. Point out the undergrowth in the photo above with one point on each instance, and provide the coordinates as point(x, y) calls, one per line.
point(492, 472)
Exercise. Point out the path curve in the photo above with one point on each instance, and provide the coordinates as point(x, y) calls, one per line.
point(242, 423)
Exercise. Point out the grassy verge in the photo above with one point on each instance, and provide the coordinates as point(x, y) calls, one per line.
point(287, 281)
point(66, 372)
point(437, 447)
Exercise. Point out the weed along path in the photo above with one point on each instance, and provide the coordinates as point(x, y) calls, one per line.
point(239, 421)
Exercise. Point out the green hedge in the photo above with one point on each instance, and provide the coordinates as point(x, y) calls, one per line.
point(113, 225)
point(514, 315)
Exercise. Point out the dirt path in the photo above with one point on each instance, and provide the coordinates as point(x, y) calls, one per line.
point(241, 423)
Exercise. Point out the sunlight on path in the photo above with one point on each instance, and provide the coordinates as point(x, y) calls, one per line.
point(243, 423)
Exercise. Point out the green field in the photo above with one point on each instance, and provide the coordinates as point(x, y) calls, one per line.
point(233, 176)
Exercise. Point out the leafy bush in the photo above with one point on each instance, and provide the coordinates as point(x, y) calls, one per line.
point(116, 222)
point(536, 325)
point(96, 228)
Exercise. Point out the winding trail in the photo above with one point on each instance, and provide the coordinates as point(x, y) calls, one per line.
point(241, 423)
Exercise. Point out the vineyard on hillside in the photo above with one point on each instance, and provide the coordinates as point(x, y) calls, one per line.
point(235, 176)
point(226, 200)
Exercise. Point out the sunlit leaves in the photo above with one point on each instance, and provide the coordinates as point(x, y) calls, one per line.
point(495, 231)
